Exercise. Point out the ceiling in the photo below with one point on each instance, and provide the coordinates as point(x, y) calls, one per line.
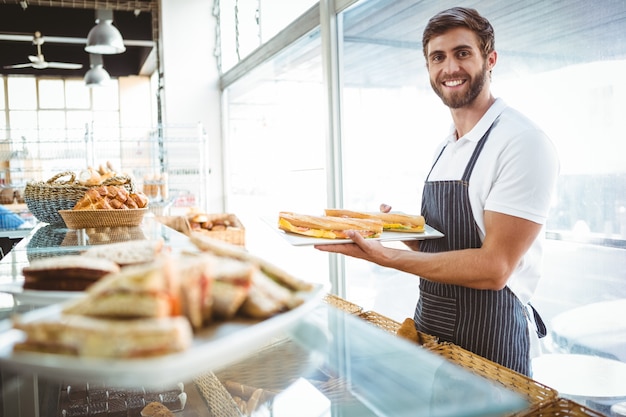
point(64, 26)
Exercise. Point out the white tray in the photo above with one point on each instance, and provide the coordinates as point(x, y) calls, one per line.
point(39, 297)
point(213, 348)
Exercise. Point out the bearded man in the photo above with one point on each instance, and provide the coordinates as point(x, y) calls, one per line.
point(489, 191)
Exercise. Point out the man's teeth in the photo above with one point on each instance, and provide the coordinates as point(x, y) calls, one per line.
point(453, 83)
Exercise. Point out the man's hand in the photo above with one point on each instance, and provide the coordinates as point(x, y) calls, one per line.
point(361, 248)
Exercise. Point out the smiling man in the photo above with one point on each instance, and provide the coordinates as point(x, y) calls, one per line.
point(489, 191)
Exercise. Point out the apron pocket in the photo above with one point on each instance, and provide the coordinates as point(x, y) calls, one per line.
point(436, 316)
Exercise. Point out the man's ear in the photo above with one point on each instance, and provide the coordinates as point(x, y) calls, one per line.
point(492, 58)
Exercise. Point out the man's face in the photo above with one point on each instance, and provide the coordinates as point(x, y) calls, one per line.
point(458, 72)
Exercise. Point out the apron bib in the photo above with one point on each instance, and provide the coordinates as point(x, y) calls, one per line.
point(489, 323)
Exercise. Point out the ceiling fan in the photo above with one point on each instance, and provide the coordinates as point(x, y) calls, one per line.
point(38, 61)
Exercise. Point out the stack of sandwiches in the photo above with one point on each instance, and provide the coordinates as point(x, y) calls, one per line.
point(154, 307)
point(336, 222)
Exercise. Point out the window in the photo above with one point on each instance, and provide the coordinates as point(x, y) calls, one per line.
point(559, 64)
point(44, 113)
point(246, 24)
point(276, 152)
point(389, 106)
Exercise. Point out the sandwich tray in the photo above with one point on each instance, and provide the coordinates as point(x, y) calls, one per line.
point(213, 348)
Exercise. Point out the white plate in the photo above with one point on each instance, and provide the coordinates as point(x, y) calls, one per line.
point(39, 297)
point(213, 348)
point(300, 240)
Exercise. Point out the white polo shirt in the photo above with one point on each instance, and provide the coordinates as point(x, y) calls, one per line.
point(515, 174)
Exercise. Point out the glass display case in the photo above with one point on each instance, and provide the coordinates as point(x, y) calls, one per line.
point(326, 362)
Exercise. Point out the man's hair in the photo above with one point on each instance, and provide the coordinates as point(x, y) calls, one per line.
point(460, 17)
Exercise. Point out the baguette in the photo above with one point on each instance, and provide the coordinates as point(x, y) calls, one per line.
point(328, 227)
point(395, 222)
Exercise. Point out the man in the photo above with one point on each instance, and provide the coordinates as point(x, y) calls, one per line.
point(489, 192)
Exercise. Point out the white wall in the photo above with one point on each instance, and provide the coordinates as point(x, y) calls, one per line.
point(191, 92)
point(135, 110)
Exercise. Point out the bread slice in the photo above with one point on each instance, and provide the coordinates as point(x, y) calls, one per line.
point(127, 253)
point(224, 249)
point(95, 337)
point(196, 297)
point(147, 290)
point(232, 279)
point(266, 298)
point(66, 272)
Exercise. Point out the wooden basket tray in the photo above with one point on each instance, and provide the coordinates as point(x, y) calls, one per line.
point(534, 392)
point(560, 407)
point(235, 234)
point(83, 219)
point(342, 304)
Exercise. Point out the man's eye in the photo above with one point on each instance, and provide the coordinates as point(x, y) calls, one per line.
point(463, 54)
point(437, 58)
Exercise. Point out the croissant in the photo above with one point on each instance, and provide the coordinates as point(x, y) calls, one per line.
point(110, 197)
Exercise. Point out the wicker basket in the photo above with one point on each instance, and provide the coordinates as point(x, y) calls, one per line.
point(102, 235)
point(534, 392)
point(560, 407)
point(342, 304)
point(220, 402)
point(45, 198)
point(234, 234)
point(82, 219)
point(274, 368)
point(43, 239)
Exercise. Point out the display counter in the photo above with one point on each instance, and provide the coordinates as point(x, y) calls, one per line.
point(331, 361)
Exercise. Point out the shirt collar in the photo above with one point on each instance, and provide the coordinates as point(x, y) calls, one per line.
point(483, 124)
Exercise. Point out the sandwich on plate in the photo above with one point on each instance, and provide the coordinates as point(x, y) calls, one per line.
point(328, 227)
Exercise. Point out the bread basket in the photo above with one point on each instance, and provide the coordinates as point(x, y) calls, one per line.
point(83, 219)
point(61, 192)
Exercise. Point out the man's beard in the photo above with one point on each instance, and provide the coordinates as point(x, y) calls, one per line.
point(458, 100)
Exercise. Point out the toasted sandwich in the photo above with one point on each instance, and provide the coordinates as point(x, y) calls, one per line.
point(328, 227)
point(393, 222)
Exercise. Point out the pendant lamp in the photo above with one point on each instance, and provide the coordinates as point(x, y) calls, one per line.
point(104, 38)
point(97, 76)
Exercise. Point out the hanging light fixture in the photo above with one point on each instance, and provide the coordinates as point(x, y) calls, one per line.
point(97, 76)
point(104, 38)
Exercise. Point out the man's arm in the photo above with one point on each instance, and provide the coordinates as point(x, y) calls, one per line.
point(507, 238)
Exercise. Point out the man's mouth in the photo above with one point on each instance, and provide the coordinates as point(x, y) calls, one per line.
point(453, 83)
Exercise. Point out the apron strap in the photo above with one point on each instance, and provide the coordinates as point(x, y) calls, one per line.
point(540, 326)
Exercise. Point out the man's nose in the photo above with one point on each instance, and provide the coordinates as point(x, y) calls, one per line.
point(451, 66)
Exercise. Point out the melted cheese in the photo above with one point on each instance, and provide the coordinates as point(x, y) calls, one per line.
point(403, 227)
point(326, 234)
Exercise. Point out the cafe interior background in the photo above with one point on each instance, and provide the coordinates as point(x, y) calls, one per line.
point(275, 105)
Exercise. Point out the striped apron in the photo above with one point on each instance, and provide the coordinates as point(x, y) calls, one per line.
point(490, 323)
